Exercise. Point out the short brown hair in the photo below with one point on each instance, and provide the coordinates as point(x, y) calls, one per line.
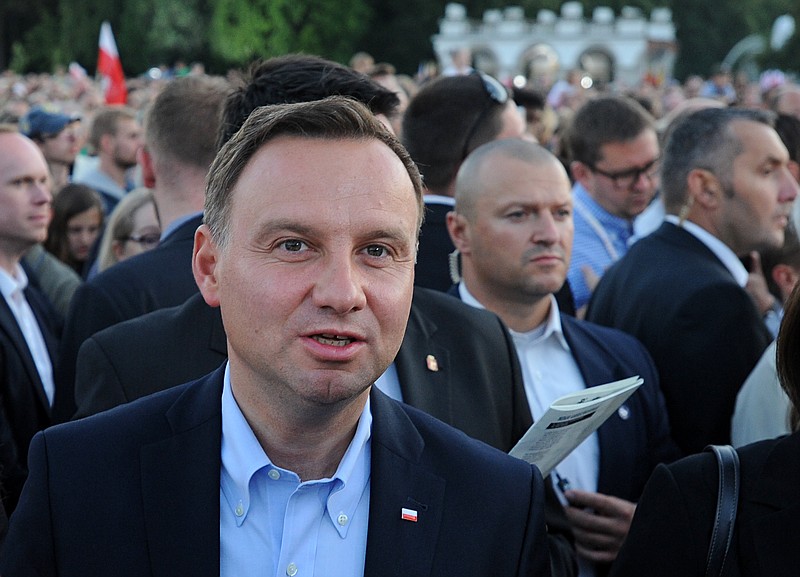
point(182, 122)
point(332, 118)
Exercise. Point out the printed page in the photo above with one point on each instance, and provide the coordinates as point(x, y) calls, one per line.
point(569, 420)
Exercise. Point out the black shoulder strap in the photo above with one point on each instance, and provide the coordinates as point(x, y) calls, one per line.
point(727, 503)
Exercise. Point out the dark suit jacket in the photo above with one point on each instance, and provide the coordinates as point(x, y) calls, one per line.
point(135, 491)
point(25, 406)
point(637, 437)
point(435, 245)
point(150, 281)
point(671, 529)
point(701, 328)
point(147, 354)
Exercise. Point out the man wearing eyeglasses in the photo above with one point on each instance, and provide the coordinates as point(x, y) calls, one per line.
point(614, 161)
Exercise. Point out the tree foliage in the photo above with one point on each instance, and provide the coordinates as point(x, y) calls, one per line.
point(225, 33)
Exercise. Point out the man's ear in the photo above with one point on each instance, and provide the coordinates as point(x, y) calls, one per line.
point(705, 188)
point(205, 259)
point(580, 173)
point(458, 228)
point(146, 162)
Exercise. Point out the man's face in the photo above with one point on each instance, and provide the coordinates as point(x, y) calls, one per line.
point(63, 147)
point(519, 237)
point(625, 196)
point(755, 209)
point(126, 142)
point(316, 279)
point(24, 195)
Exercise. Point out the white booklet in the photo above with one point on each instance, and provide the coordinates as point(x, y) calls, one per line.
point(569, 420)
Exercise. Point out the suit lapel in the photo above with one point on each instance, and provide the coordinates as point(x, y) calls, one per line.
point(8, 323)
point(399, 481)
point(180, 485)
point(596, 369)
point(423, 368)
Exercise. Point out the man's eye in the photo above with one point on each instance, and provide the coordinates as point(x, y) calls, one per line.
point(293, 245)
point(376, 251)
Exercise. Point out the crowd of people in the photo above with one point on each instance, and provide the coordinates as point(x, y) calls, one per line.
point(282, 318)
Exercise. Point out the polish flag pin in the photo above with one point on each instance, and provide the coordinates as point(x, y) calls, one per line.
point(433, 364)
point(408, 515)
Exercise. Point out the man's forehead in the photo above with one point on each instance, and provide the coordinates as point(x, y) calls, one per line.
point(759, 139)
point(16, 147)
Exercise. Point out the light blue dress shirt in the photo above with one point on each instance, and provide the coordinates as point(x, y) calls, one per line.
point(272, 524)
point(600, 240)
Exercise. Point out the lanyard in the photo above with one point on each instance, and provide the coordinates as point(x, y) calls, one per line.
point(598, 229)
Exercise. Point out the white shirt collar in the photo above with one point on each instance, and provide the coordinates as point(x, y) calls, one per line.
point(8, 283)
point(439, 199)
point(552, 326)
point(715, 245)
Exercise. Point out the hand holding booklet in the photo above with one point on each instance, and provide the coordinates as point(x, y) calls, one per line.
point(569, 420)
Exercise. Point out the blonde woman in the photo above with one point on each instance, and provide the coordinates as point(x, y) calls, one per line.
point(132, 228)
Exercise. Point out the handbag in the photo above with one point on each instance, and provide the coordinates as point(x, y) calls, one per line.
point(727, 504)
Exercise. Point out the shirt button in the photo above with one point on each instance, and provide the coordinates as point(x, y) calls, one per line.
point(274, 474)
point(342, 519)
point(291, 570)
point(239, 509)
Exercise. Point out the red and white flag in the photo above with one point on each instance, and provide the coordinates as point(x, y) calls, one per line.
point(109, 67)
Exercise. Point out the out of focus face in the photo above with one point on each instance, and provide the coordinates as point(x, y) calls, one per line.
point(82, 232)
point(24, 197)
point(126, 142)
point(62, 148)
point(145, 235)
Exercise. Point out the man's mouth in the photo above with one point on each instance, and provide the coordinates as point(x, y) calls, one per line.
point(332, 340)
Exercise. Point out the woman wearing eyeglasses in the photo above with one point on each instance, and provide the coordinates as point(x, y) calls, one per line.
point(132, 228)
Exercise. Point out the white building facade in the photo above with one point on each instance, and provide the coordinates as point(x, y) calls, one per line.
point(621, 49)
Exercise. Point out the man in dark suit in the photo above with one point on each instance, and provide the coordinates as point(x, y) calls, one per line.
point(313, 271)
point(680, 291)
point(449, 118)
point(455, 363)
point(512, 224)
point(180, 143)
point(28, 325)
point(444, 122)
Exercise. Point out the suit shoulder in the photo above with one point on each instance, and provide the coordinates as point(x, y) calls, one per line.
point(447, 445)
point(439, 304)
point(609, 337)
point(143, 328)
point(150, 416)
